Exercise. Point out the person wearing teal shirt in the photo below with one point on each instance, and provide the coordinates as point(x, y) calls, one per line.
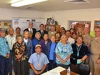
point(63, 52)
point(4, 53)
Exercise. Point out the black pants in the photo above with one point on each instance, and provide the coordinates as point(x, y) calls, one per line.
point(64, 66)
point(51, 64)
point(4, 65)
point(11, 61)
point(22, 67)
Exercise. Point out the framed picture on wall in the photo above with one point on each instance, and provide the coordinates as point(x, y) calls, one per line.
point(96, 23)
point(5, 24)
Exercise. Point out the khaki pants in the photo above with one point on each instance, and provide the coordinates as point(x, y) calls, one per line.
point(95, 68)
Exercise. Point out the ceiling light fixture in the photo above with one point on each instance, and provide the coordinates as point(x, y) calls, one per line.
point(77, 1)
point(26, 2)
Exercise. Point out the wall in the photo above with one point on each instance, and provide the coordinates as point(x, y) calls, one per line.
point(7, 14)
point(61, 16)
point(79, 15)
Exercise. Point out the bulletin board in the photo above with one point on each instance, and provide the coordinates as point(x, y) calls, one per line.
point(23, 23)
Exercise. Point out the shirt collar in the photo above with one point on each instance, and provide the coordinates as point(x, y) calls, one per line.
point(11, 36)
point(25, 40)
point(38, 54)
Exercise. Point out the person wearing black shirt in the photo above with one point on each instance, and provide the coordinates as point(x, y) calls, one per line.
point(42, 30)
point(79, 55)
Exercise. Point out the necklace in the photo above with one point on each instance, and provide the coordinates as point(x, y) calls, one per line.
point(78, 49)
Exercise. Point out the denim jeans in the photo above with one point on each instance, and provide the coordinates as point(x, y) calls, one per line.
point(4, 65)
point(11, 61)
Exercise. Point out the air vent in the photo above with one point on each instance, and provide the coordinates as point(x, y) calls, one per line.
point(76, 1)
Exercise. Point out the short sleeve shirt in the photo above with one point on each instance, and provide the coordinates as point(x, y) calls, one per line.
point(63, 51)
point(38, 61)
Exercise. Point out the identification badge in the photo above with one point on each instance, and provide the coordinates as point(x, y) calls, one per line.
point(65, 50)
point(38, 65)
point(79, 61)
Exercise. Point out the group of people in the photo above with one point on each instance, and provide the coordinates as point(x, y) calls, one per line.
point(35, 52)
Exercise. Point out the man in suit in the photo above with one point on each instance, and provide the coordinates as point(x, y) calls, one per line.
point(42, 30)
point(31, 29)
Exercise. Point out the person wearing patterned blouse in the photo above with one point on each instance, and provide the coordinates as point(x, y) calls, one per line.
point(63, 52)
point(20, 56)
point(79, 55)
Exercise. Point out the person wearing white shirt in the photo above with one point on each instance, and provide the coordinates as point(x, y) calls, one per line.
point(25, 41)
point(70, 40)
point(11, 39)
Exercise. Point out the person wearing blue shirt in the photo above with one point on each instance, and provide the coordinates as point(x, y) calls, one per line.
point(4, 53)
point(52, 56)
point(63, 52)
point(38, 61)
point(28, 43)
point(36, 40)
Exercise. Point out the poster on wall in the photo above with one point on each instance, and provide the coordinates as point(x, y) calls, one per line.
point(37, 22)
point(23, 23)
point(15, 23)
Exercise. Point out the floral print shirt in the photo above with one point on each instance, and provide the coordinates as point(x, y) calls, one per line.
point(20, 49)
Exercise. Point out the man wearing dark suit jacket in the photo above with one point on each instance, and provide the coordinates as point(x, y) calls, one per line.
point(31, 29)
point(42, 31)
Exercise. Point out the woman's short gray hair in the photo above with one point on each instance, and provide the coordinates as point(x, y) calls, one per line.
point(63, 35)
point(37, 33)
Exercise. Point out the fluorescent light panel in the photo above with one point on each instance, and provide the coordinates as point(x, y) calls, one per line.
point(25, 2)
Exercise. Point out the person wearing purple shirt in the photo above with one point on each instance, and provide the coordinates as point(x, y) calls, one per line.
point(45, 43)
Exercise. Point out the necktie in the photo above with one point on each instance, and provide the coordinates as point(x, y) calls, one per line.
point(31, 31)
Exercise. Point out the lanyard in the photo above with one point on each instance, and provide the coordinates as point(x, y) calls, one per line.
point(78, 49)
point(38, 58)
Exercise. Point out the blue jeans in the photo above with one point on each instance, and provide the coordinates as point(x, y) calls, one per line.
point(4, 66)
point(31, 72)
